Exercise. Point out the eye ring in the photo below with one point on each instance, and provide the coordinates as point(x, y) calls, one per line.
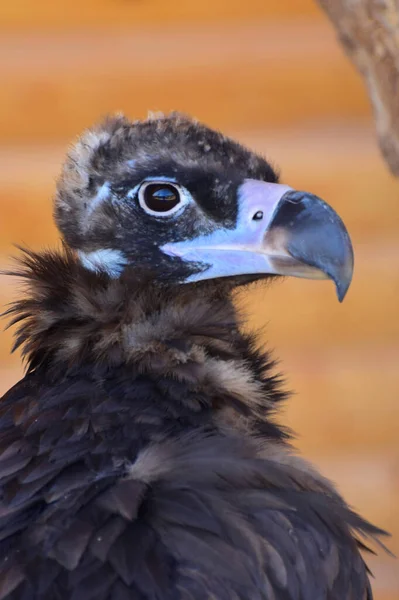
point(162, 198)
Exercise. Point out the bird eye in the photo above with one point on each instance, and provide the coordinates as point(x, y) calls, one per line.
point(160, 198)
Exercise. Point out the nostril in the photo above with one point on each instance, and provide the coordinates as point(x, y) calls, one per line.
point(258, 216)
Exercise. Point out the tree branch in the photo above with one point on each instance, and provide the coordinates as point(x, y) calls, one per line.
point(369, 32)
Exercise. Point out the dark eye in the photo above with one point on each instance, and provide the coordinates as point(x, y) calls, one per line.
point(159, 198)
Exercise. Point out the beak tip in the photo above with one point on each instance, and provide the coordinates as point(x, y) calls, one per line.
point(343, 280)
point(341, 291)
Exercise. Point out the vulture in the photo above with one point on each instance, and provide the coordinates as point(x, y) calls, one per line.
point(141, 455)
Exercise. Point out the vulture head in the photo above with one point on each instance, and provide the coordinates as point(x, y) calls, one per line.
point(183, 203)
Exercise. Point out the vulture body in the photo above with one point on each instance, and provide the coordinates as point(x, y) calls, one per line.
point(140, 457)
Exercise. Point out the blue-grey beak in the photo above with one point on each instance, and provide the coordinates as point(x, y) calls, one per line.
point(278, 231)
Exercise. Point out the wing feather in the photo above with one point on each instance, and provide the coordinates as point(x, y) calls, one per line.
point(97, 502)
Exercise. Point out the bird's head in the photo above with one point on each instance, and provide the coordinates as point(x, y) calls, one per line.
point(184, 203)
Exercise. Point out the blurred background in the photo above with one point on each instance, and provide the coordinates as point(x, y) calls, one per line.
point(270, 73)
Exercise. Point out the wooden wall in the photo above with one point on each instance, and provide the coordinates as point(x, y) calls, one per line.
point(272, 74)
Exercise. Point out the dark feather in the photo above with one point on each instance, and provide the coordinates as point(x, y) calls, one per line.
point(124, 498)
point(106, 536)
point(72, 544)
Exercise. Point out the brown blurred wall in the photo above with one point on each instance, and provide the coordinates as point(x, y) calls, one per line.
point(270, 73)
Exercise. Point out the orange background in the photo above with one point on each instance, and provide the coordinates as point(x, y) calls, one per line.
point(270, 73)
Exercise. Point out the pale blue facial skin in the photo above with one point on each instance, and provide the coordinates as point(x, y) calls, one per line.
point(244, 250)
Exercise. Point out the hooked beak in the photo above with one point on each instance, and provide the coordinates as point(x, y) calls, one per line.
point(278, 231)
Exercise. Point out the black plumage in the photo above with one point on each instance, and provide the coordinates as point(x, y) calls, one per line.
point(140, 456)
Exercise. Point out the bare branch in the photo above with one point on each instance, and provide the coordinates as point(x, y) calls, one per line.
point(369, 32)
